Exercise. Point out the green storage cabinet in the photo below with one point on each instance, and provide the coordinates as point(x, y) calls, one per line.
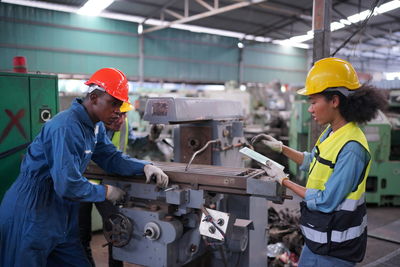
point(27, 102)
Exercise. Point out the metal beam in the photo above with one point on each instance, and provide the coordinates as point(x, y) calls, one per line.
point(322, 16)
point(174, 14)
point(204, 4)
point(161, 10)
point(210, 13)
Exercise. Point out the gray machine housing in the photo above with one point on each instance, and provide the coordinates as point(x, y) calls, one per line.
point(173, 216)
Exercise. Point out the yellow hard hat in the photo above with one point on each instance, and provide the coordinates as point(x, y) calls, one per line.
point(330, 72)
point(125, 107)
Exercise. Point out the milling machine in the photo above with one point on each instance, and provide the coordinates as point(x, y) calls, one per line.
point(209, 215)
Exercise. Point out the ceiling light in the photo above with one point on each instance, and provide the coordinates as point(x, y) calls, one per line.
point(345, 22)
point(140, 29)
point(240, 45)
point(94, 7)
point(388, 7)
point(291, 43)
point(302, 38)
point(336, 25)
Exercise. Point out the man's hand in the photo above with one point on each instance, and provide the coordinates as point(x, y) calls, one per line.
point(153, 171)
point(275, 172)
point(268, 141)
point(155, 131)
point(114, 193)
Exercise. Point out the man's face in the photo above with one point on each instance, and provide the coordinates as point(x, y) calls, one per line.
point(117, 124)
point(106, 108)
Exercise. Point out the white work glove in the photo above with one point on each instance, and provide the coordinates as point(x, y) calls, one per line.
point(275, 172)
point(114, 194)
point(155, 131)
point(268, 141)
point(153, 172)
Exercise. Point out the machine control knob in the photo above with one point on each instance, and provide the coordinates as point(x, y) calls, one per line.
point(211, 229)
point(152, 231)
point(220, 221)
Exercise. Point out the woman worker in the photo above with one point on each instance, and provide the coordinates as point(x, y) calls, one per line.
point(333, 211)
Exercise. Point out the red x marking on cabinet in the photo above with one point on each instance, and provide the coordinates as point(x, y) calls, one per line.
point(14, 121)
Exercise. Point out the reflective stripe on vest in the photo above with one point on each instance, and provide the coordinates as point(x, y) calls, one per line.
point(314, 235)
point(351, 233)
point(120, 138)
point(336, 236)
point(351, 204)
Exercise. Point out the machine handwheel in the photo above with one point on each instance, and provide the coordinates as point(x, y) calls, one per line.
point(117, 230)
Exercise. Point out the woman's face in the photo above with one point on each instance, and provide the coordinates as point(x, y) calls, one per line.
point(323, 111)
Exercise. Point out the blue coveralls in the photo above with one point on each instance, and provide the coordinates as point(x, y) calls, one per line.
point(39, 213)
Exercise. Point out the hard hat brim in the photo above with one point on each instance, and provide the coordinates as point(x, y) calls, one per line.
point(125, 107)
point(302, 91)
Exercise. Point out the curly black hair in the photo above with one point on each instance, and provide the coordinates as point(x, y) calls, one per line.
point(361, 106)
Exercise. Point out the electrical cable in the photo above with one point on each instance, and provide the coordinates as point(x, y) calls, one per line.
point(363, 25)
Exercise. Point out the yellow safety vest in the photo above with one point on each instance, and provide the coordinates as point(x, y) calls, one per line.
point(120, 138)
point(343, 232)
point(326, 155)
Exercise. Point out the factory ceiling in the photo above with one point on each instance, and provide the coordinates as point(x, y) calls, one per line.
point(376, 43)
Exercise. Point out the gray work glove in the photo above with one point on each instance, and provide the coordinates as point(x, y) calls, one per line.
point(153, 172)
point(114, 193)
point(268, 141)
point(275, 172)
point(155, 131)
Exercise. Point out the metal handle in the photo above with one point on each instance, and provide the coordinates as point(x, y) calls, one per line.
point(199, 151)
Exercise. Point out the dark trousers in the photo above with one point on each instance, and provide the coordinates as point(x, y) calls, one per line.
point(105, 209)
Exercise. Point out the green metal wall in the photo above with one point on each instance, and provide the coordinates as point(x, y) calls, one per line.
point(59, 42)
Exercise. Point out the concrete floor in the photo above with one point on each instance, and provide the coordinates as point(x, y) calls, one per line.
point(377, 250)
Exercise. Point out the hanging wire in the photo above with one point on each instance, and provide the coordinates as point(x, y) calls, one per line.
point(363, 26)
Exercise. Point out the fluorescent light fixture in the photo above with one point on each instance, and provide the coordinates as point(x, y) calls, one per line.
point(94, 7)
point(200, 29)
point(290, 43)
point(388, 7)
point(392, 75)
point(345, 22)
point(302, 38)
point(359, 16)
point(336, 26)
point(140, 29)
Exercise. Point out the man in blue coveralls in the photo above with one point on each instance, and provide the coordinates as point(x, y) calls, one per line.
point(39, 213)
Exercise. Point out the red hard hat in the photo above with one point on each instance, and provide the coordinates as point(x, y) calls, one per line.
point(113, 81)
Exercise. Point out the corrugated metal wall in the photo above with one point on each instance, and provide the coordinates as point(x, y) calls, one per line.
point(59, 42)
point(266, 62)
